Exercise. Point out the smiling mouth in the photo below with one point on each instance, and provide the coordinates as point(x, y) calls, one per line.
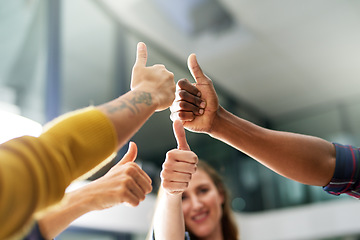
point(200, 217)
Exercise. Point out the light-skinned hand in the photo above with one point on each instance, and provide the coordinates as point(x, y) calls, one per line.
point(156, 79)
point(179, 164)
point(125, 182)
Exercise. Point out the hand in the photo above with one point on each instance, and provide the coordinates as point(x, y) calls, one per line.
point(179, 164)
point(196, 104)
point(124, 182)
point(155, 79)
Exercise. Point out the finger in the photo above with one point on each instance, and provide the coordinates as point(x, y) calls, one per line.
point(186, 96)
point(133, 188)
point(130, 155)
point(135, 172)
point(182, 116)
point(141, 54)
point(187, 107)
point(180, 136)
point(195, 70)
point(184, 84)
point(131, 198)
point(181, 168)
point(175, 176)
point(144, 181)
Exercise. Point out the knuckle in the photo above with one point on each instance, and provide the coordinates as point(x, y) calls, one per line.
point(121, 192)
point(182, 82)
point(189, 177)
point(165, 184)
point(148, 188)
point(130, 170)
point(170, 155)
point(135, 202)
point(182, 94)
point(182, 104)
point(185, 115)
point(195, 168)
point(165, 165)
point(158, 65)
point(163, 174)
point(195, 159)
point(128, 181)
point(198, 101)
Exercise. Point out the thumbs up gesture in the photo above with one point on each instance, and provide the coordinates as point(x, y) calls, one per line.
point(125, 182)
point(179, 164)
point(155, 80)
point(196, 105)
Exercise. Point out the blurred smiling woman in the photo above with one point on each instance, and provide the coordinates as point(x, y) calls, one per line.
point(193, 201)
point(206, 206)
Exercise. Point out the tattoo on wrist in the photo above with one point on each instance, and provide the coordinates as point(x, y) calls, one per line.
point(132, 102)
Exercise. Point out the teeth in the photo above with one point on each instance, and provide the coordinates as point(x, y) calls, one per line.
point(200, 216)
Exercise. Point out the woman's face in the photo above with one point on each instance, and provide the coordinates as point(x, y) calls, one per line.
point(202, 206)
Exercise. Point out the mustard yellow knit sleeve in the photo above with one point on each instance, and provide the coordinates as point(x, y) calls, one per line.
point(34, 172)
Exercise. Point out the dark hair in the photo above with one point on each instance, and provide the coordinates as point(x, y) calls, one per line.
point(229, 227)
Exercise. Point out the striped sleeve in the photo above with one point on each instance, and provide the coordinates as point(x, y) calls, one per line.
point(347, 172)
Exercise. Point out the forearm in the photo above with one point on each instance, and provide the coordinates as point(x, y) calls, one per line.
point(169, 219)
point(56, 220)
point(128, 113)
point(303, 158)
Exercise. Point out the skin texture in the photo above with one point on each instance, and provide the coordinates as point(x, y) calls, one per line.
point(306, 159)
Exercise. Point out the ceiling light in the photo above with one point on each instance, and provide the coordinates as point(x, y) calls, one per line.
point(196, 16)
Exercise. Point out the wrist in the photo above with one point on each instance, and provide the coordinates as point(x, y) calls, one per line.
point(144, 96)
point(218, 121)
point(173, 197)
point(82, 202)
point(172, 194)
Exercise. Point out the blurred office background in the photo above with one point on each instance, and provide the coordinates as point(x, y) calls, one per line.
point(283, 64)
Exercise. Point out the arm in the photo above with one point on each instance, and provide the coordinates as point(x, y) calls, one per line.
point(57, 219)
point(152, 89)
point(306, 159)
point(125, 182)
point(169, 218)
point(178, 167)
point(303, 158)
point(73, 144)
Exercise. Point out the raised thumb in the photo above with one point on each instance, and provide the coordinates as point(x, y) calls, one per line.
point(141, 54)
point(130, 155)
point(195, 69)
point(180, 136)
